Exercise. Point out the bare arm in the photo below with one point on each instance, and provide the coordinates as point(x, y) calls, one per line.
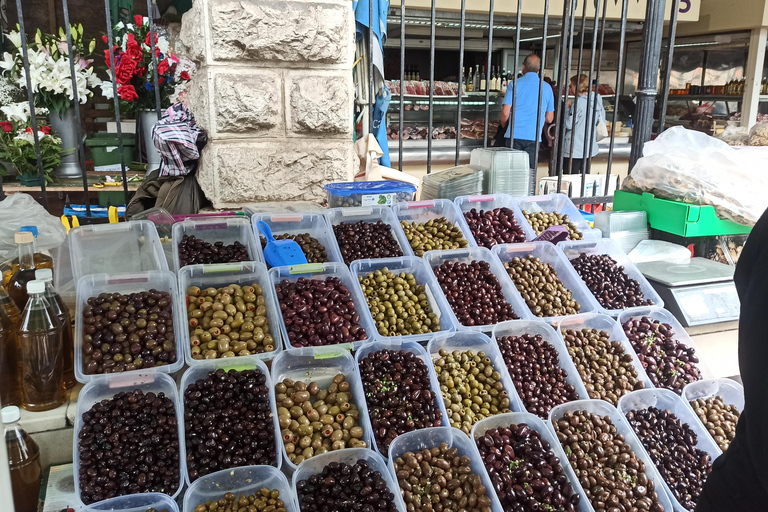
point(505, 109)
point(550, 117)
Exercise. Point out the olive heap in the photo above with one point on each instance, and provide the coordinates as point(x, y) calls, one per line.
point(129, 444)
point(668, 362)
point(314, 251)
point(612, 475)
point(399, 395)
point(361, 240)
point(534, 366)
point(398, 304)
point(341, 487)
point(193, 250)
point(525, 472)
point(497, 226)
point(228, 322)
point(265, 500)
point(671, 444)
point(605, 368)
point(542, 290)
point(437, 479)
point(155, 510)
point(314, 420)
point(608, 282)
point(471, 387)
point(433, 235)
point(473, 292)
point(542, 221)
point(719, 418)
point(318, 312)
point(128, 332)
point(228, 422)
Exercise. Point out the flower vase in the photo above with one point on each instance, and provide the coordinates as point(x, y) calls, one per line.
point(148, 121)
point(64, 124)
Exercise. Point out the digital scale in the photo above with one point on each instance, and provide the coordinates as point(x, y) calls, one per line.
point(699, 293)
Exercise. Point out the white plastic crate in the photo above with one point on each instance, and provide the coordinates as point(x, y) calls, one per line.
point(245, 480)
point(491, 202)
point(218, 229)
point(373, 214)
point(424, 211)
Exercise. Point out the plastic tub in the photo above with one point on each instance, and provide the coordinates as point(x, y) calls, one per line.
point(244, 480)
point(217, 229)
point(428, 438)
point(295, 224)
point(548, 334)
point(106, 387)
point(321, 365)
point(135, 503)
point(408, 346)
point(665, 399)
point(435, 258)
point(349, 456)
point(424, 211)
point(544, 430)
point(420, 270)
point(491, 202)
point(321, 271)
point(223, 274)
point(729, 390)
point(556, 203)
point(603, 408)
point(372, 214)
point(369, 193)
point(607, 246)
point(548, 253)
point(122, 248)
point(164, 281)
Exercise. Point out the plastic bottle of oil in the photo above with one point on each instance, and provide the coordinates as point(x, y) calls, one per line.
point(10, 383)
point(42, 260)
point(17, 287)
point(41, 353)
point(7, 305)
point(24, 461)
point(60, 310)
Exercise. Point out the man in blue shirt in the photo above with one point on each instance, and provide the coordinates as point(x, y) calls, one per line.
point(526, 106)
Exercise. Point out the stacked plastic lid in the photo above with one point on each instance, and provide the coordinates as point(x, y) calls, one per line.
point(627, 229)
point(507, 171)
point(464, 180)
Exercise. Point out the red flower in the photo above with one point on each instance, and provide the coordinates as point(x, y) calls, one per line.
point(105, 39)
point(125, 70)
point(184, 75)
point(7, 127)
point(162, 67)
point(45, 129)
point(106, 56)
point(127, 93)
point(140, 71)
point(148, 40)
point(138, 20)
point(133, 49)
point(28, 129)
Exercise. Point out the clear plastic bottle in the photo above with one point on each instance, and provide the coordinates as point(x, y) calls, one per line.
point(59, 308)
point(10, 383)
point(41, 353)
point(24, 461)
point(7, 305)
point(17, 287)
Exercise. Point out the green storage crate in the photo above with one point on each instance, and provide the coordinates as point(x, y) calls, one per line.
point(105, 148)
point(676, 217)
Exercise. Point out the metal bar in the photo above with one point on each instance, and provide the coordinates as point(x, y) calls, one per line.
point(560, 98)
point(617, 90)
point(76, 102)
point(537, 134)
point(402, 88)
point(152, 43)
point(431, 86)
point(487, 72)
point(577, 94)
point(563, 104)
point(115, 97)
point(31, 100)
point(589, 120)
point(513, 107)
point(597, 81)
point(668, 72)
point(649, 68)
point(592, 200)
point(461, 81)
point(371, 36)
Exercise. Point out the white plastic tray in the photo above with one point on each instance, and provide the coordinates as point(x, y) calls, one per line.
point(135, 503)
point(603, 408)
point(372, 214)
point(729, 390)
point(246, 480)
point(314, 224)
point(424, 211)
point(557, 203)
point(491, 202)
point(217, 229)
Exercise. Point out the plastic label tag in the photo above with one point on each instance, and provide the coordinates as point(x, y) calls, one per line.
point(307, 268)
point(236, 367)
point(329, 354)
point(378, 199)
point(285, 218)
point(126, 380)
point(206, 225)
point(419, 204)
point(128, 280)
point(480, 199)
point(349, 212)
point(221, 267)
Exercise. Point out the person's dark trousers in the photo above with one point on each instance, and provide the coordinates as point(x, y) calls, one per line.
point(577, 164)
point(529, 147)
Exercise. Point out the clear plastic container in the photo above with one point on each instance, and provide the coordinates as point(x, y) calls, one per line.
point(321, 365)
point(246, 480)
point(548, 253)
point(729, 390)
point(408, 346)
point(544, 430)
point(135, 503)
point(420, 271)
point(368, 193)
point(218, 229)
point(491, 202)
point(424, 211)
point(164, 281)
point(665, 399)
point(201, 371)
point(371, 214)
point(295, 224)
point(428, 438)
point(349, 456)
point(603, 408)
point(613, 222)
point(548, 334)
point(435, 258)
point(556, 203)
point(321, 271)
point(123, 248)
point(607, 246)
point(107, 386)
point(223, 274)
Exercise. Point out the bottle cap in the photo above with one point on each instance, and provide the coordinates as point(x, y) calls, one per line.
point(24, 237)
point(10, 414)
point(35, 287)
point(29, 229)
point(44, 274)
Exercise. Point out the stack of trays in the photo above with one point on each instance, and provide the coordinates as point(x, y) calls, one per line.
point(464, 180)
point(627, 229)
point(508, 171)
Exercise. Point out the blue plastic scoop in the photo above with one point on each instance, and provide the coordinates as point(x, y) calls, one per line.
point(280, 253)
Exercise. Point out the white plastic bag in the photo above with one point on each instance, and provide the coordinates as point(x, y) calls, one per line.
point(735, 136)
point(19, 210)
point(658, 250)
point(690, 166)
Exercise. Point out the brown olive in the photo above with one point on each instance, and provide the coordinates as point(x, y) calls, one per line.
point(266, 500)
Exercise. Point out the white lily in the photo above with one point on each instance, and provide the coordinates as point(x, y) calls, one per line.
point(8, 62)
point(106, 89)
point(16, 111)
point(15, 39)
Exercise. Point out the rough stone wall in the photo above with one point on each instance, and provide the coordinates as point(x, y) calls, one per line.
point(274, 90)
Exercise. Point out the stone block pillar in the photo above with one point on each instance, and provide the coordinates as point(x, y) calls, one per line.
point(274, 91)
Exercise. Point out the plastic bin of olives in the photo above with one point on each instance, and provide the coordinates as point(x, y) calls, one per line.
point(433, 225)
